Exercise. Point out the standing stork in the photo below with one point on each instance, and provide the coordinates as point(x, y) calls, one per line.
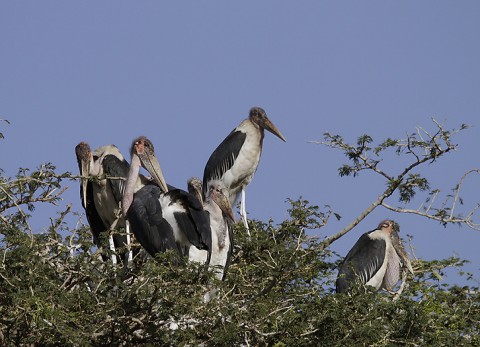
point(100, 198)
point(217, 204)
point(163, 217)
point(236, 159)
point(375, 259)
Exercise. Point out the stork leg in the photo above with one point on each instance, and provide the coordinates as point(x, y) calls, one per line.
point(243, 212)
point(112, 248)
point(129, 244)
point(111, 244)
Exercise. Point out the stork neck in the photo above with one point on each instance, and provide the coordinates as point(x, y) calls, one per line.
point(252, 130)
point(130, 185)
point(95, 166)
point(262, 135)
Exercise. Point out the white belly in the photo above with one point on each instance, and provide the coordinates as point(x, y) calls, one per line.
point(241, 173)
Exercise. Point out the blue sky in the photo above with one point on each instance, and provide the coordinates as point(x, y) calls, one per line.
point(185, 74)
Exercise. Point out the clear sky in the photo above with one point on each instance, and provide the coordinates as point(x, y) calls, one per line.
point(186, 73)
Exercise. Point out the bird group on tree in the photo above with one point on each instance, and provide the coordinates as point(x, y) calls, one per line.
point(198, 224)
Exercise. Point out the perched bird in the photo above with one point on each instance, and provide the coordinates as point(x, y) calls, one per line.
point(217, 204)
point(161, 216)
point(375, 259)
point(101, 197)
point(236, 159)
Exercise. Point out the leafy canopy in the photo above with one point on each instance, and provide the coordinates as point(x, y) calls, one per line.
point(56, 290)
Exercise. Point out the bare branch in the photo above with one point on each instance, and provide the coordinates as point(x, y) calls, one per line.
point(329, 240)
point(443, 217)
point(422, 146)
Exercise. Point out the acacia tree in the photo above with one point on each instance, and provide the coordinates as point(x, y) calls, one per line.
point(56, 290)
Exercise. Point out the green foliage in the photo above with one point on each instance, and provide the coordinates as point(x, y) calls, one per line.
point(418, 148)
point(410, 185)
point(56, 290)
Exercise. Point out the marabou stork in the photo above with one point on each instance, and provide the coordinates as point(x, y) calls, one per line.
point(101, 198)
point(236, 159)
point(375, 259)
point(163, 217)
point(217, 204)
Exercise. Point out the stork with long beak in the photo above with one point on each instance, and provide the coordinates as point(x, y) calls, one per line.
point(375, 259)
point(101, 197)
point(163, 217)
point(220, 212)
point(236, 159)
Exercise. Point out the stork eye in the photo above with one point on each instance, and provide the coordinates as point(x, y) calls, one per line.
point(95, 157)
point(386, 225)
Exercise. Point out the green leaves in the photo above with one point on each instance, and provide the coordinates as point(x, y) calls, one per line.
point(279, 290)
point(402, 175)
point(410, 185)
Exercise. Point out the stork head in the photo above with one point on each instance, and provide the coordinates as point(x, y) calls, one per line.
point(143, 148)
point(107, 150)
point(219, 194)
point(84, 159)
point(259, 117)
point(195, 188)
point(386, 225)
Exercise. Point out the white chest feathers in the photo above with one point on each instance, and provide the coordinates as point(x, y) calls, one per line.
point(389, 273)
point(246, 163)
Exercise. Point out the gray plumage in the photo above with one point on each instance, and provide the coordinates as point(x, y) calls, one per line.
point(374, 260)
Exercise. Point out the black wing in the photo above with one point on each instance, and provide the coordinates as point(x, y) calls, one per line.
point(96, 224)
point(147, 223)
point(114, 167)
point(363, 261)
point(223, 158)
point(196, 223)
point(98, 228)
point(170, 187)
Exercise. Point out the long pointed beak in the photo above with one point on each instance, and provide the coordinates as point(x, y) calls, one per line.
point(400, 249)
point(224, 203)
point(151, 164)
point(268, 125)
point(85, 172)
point(195, 188)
